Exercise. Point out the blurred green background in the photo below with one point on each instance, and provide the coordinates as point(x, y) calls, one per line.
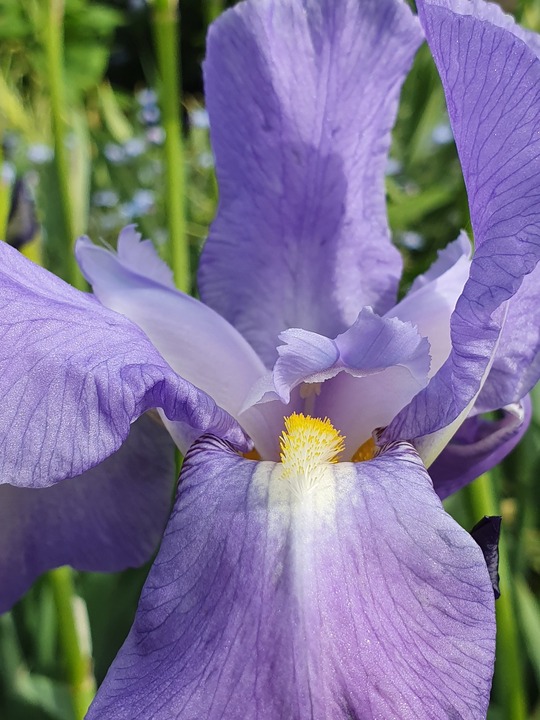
point(84, 149)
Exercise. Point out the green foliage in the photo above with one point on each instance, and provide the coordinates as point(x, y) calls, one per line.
point(88, 31)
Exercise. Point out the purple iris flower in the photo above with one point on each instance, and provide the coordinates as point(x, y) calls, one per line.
point(308, 569)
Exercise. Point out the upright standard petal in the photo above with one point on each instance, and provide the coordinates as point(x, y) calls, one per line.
point(110, 518)
point(74, 375)
point(301, 114)
point(491, 79)
point(356, 596)
point(492, 13)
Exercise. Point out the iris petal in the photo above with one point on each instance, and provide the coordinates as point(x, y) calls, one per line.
point(360, 379)
point(359, 597)
point(516, 366)
point(198, 344)
point(432, 298)
point(302, 212)
point(491, 79)
point(110, 518)
point(478, 446)
point(74, 375)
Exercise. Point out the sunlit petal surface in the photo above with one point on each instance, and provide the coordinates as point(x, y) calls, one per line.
point(198, 344)
point(74, 375)
point(355, 596)
point(491, 80)
point(301, 236)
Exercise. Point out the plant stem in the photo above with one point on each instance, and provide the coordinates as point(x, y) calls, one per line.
point(483, 500)
point(5, 198)
point(53, 40)
point(166, 33)
point(214, 9)
point(77, 661)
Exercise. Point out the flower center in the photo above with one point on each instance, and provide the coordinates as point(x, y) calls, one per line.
point(307, 445)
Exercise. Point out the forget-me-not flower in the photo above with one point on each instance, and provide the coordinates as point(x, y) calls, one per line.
point(308, 569)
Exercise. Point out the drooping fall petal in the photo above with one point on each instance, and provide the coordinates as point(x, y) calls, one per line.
point(348, 594)
point(479, 445)
point(74, 375)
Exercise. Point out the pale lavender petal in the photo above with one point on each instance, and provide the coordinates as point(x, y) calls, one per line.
point(301, 236)
point(386, 363)
point(360, 598)
point(433, 296)
point(371, 345)
point(447, 259)
point(110, 518)
point(140, 257)
point(265, 423)
point(360, 379)
point(304, 357)
point(492, 84)
point(478, 446)
point(197, 343)
point(360, 405)
point(74, 375)
point(373, 342)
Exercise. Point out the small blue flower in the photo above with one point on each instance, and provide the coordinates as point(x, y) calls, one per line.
point(114, 153)
point(135, 147)
point(105, 198)
point(199, 118)
point(40, 153)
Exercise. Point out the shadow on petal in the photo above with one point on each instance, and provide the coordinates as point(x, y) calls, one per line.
point(108, 519)
point(478, 446)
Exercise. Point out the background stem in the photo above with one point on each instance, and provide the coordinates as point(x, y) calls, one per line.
point(215, 8)
point(483, 500)
point(77, 661)
point(167, 38)
point(53, 41)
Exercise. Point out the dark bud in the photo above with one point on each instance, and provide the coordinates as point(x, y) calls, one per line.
point(22, 220)
point(486, 533)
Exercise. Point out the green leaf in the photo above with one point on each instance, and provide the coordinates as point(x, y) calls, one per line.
point(35, 697)
point(529, 617)
point(405, 210)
